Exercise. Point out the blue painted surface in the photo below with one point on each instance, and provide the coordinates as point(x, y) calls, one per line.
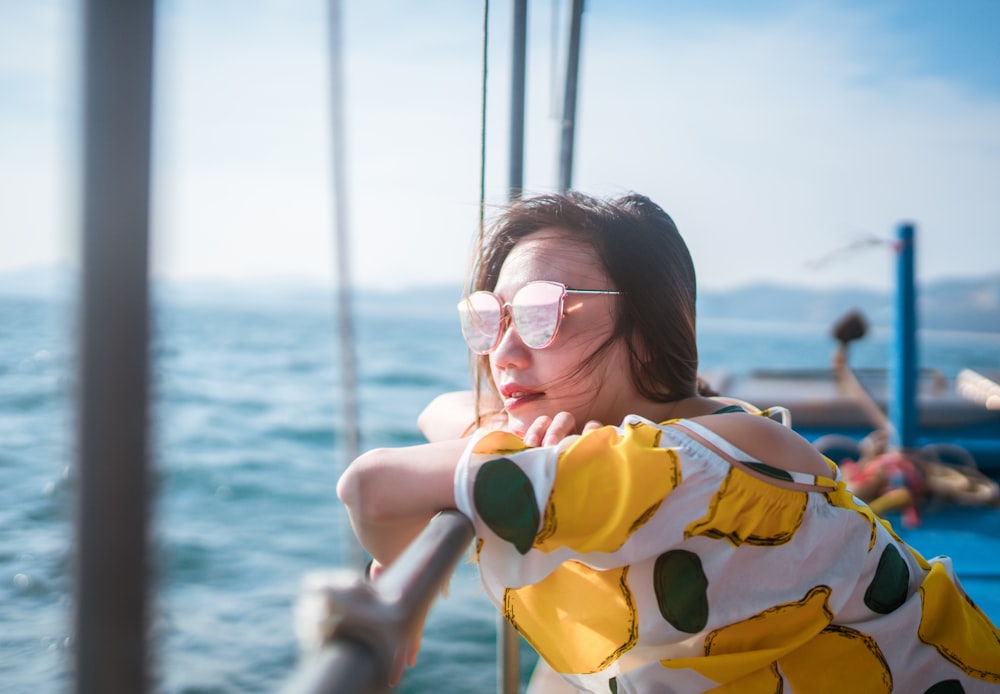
point(902, 404)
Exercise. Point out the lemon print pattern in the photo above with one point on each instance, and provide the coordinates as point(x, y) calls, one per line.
point(821, 664)
point(737, 515)
point(957, 629)
point(792, 642)
point(604, 623)
point(630, 475)
point(633, 560)
point(842, 498)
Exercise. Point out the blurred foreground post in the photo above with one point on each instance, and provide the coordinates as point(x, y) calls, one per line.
point(111, 560)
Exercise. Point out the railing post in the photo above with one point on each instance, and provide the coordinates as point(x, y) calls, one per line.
point(508, 642)
point(508, 657)
point(354, 630)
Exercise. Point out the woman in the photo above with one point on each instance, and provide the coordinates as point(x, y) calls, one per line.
point(642, 537)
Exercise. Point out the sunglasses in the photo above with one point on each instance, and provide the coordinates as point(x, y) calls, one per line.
point(536, 310)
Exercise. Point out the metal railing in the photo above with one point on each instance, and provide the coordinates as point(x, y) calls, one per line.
point(355, 631)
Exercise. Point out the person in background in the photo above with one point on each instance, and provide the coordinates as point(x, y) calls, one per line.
point(641, 536)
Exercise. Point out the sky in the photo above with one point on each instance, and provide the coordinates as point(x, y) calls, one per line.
point(787, 139)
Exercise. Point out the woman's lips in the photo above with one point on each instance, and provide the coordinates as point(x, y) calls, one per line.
point(515, 395)
point(519, 398)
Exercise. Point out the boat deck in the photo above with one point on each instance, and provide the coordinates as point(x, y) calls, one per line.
point(816, 398)
point(820, 405)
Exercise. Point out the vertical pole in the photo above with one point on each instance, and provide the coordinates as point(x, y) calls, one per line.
point(111, 591)
point(569, 97)
point(903, 403)
point(508, 643)
point(345, 323)
point(517, 83)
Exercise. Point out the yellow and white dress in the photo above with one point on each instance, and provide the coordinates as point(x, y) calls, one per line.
point(656, 558)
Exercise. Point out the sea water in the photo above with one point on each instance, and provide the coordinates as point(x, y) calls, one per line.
point(247, 429)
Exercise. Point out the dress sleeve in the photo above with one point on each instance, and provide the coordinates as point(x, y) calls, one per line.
point(534, 508)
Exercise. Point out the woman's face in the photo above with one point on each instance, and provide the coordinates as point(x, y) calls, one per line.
point(535, 382)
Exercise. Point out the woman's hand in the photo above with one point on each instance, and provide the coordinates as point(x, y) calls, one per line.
point(548, 431)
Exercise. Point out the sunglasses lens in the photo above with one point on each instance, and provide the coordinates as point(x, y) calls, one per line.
point(480, 314)
point(537, 311)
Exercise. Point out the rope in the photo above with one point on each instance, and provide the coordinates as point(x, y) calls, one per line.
point(351, 431)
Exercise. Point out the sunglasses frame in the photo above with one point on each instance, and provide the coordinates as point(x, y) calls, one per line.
point(507, 312)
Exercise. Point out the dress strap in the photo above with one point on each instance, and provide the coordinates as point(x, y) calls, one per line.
point(779, 414)
point(737, 458)
point(729, 408)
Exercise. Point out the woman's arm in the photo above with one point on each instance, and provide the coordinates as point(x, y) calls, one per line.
point(391, 493)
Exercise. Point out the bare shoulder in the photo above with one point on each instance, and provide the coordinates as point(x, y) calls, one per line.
point(448, 416)
point(767, 441)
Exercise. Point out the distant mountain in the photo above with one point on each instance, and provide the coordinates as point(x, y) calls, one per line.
point(787, 304)
point(962, 305)
point(956, 304)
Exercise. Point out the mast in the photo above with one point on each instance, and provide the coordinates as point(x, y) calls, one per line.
point(517, 83)
point(568, 122)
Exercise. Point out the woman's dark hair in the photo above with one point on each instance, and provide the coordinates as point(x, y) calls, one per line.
point(646, 259)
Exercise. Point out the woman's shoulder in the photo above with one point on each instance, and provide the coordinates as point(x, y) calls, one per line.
point(767, 441)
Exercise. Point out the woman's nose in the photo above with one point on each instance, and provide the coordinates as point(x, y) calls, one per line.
point(510, 351)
